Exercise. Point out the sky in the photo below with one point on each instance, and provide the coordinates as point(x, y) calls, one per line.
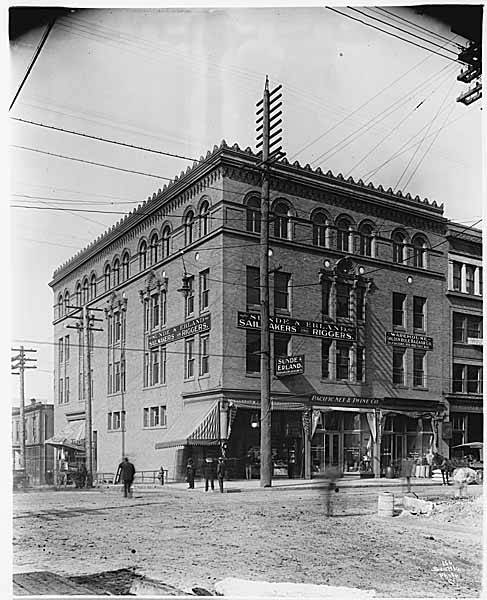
point(180, 81)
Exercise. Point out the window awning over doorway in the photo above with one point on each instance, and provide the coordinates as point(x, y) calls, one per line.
point(197, 425)
point(275, 404)
point(71, 436)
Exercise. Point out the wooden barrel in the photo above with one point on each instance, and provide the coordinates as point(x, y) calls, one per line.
point(385, 505)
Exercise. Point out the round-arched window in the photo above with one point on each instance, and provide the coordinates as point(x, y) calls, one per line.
point(420, 246)
point(154, 249)
point(281, 220)
point(189, 228)
point(143, 256)
point(93, 286)
point(106, 277)
point(166, 237)
point(343, 234)
point(365, 243)
point(204, 218)
point(398, 247)
point(320, 225)
point(253, 214)
point(125, 266)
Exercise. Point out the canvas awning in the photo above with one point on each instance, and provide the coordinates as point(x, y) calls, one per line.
point(71, 436)
point(275, 404)
point(197, 425)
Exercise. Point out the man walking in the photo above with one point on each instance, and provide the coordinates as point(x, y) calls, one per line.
point(220, 472)
point(125, 473)
point(190, 474)
point(209, 473)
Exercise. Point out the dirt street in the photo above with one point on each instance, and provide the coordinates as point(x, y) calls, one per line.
point(189, 538)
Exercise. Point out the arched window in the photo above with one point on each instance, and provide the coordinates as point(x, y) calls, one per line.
point(189, 228)
point(86, 290)
point(343, 235)
point(143, 256)
point(365, 244)
point(253, 215)
point(319, 229)
point(93, 287)
point(66, 302)
point(78, 294)
point(154, 249)
point(204, 218)
point(166, 236)
point(106, 276)
point(398, 247)
point(125, 266)
point(60, 306)
point(281, 220)
point(419, 251)
point(116, 272)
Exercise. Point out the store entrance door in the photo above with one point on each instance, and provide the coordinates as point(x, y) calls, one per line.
point(332, 449)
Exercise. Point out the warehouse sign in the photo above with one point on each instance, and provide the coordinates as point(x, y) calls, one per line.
point(186, 329)
point(291, 326)
point(408, 340)
point(289, 365)
point(344, 400)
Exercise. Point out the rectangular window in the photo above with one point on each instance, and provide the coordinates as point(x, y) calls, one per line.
point(419, 321)
point(458, 429)
point(117, 377)
point(61, 391)
point(325, 359)
point(253, 286)
point(190, 296)
point(146, 314)
point(204, 290)
point(418, 368)
point(252, 352)
point(163, 308)
point(360, 364)
point(155, 416)
point(61, 347)
point(66, 348)
point(458, 378)
point(459, 327)
point(343, 300)
point(117, 329)
point(342, 361)
point(474, 327)
point(155, 366)
point(474, 379)
point(66, 388)
point(204, 354)
point(360, 291)
point(470, 270)
point(189, 358)
point(155, 311)
point(457, 276)
point(398, 301)
point(398, 355)
point(116, 420)
point(146, 369)
point(281, 345)
point(110, 378)
point(281, 290)
point(110, 330)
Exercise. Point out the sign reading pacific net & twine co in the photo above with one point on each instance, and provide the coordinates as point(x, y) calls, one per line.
point(344, 401)
point(420, 342)
point(289, 365)
point(332, 331)
point(199, 325)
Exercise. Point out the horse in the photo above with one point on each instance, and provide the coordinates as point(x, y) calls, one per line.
point(445, 465)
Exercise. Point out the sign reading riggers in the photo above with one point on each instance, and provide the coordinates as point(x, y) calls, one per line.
point(289, 365)
point(332, 331)
point(199, 325)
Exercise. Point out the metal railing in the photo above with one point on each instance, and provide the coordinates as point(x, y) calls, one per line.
point(147, 477)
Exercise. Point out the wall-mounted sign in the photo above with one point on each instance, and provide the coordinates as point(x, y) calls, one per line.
point(187, 329)
point(409, 340)
point(344, 400)
point(475, 341)
point(289, 365)
point(332, 331)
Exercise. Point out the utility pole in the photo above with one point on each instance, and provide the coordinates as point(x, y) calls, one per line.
point(266, 138)
point(86, 326)
point(18, 367)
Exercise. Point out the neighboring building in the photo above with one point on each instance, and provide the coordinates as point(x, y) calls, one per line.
point(39, 426)
point(465, 373)
point(175, 371)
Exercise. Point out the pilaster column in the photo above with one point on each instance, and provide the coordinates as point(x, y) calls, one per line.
point(350, 241)
point(476, 281)
point(377, 443)
point(353, 347)
point(327, 234)
point(333, 313)
point(464, 277)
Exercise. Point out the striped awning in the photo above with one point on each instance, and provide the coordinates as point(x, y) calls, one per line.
point(197, 425)
point(275, 404)
point(71, 436)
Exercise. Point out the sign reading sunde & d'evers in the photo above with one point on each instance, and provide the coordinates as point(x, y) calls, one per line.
point(292, 326)
point(199, 325)
point(409, 340)
point(289, 365)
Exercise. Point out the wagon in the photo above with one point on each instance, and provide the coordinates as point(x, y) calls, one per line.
point(474, 450)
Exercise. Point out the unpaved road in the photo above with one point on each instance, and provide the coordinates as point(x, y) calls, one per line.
point(191, 539)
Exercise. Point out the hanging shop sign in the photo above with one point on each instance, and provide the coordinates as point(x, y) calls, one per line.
point(409, 340)
point(344, 400)
point(289, 365)
point(332, 331)
point(187, 329)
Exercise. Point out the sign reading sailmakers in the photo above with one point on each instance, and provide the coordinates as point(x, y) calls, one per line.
point(332, 331)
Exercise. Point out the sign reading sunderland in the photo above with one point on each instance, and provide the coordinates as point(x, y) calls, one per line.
point(333, 331)
point(420, 342)
point(199, 325)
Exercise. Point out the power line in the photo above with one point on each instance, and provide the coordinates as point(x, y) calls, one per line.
point(393, 35)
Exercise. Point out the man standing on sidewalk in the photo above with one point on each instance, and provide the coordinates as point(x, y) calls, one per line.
point(209, 472)
point(125, 473)
point(220, 472)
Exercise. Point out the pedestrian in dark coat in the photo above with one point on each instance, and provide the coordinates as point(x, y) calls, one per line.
point(407, 468)
point(209, 472)
point(291, 464)
point(190, 474)
point(126, 473)
point(220, 472)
